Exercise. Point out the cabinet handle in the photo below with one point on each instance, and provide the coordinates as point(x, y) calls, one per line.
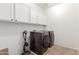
point(12, 19)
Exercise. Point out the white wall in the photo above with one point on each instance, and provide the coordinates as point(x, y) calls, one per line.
point(64, 20)
point(11, 35)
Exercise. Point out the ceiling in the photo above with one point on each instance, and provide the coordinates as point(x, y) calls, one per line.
point(46, 5)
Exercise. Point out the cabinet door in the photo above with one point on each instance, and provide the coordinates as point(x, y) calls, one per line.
point(22, 12)
point(5, 11)
point(34, 16)
point(42, 18)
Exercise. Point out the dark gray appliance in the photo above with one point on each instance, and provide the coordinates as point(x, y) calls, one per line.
point(41, 41)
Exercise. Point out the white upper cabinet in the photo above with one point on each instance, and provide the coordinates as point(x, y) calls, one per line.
point(34, 13)
point(22, 12)
point(34, 16)
point(5, 11)
point(37, 15)
point(44, 21)
point(42, 17)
